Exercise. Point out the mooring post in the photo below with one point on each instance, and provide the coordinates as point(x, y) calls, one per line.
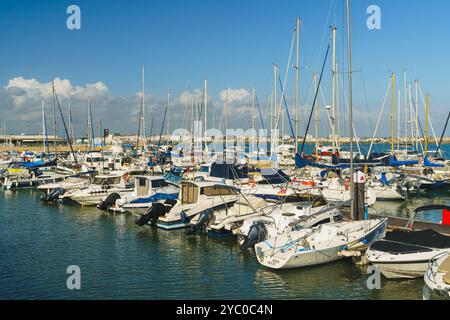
point(359, 210)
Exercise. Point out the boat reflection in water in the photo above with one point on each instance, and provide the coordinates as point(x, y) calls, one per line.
point(337, 280)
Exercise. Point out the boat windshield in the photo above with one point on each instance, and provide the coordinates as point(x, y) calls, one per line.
point(159, 183)
point(217, 191)
point(204, 169)
point(102, 181)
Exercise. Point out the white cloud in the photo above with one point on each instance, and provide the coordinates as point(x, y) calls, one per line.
point(234, 95)
point(189, 96)
point(22, 90)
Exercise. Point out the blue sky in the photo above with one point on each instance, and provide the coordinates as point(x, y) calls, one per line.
point(232, 43)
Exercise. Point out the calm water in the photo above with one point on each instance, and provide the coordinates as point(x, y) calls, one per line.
point(120, 260)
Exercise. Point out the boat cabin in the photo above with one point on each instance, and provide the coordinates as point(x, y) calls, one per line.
point(94, 157)
point(145, 184)
point(109, 179)
point(192, 191)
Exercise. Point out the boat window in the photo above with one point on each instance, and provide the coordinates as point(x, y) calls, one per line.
point(113, 180)
point(204, 169)
point(159, 183)
point(141, 182)
point(217, 191)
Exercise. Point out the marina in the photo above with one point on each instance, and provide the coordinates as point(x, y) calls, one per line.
point(284, 188)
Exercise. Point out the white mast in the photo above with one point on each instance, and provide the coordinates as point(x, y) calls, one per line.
point(253, 117)
point(350, 106)
point(333, 112)
point(168, 114)
point(43, 125)
point(406, 110)
point(89, 122)
point(297, 31)
point(143, 106)
point(275, 112)
point(398, 119)
point(226, 124)
point(206, 114)
point(416, 109)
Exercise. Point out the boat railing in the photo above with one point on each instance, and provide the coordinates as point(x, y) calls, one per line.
point(433, 265)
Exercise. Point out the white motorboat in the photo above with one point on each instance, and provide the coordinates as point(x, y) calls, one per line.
point(147, 190)
point(196, 197)
point(103, 185)
point(386, 192)
point(52, 191)
point(287, 217)
point(437, 276)
point(223, 222)
point(405, 254)
point(338, 190)
point(318, 245)
point(32, 181)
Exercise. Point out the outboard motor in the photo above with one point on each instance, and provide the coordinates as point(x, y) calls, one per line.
point(257, 233)
point(53, 195)
point(202, 222)
point(109, 201)
point(151, 216)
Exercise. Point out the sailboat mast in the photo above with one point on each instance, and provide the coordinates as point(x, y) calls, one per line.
point(350, 107)
point(297, 66)
point(393, 114)
point(398, 118)
point(416, 104)
point(406, 110)
point(206, 114)
point(226, 126)
point(253, 117)
point(168, 114)
point(90, 125)
point(427, 114)
point(275, 112)
point(54, 118)
point(333, 111)
point(316, 120)
point(143, 105)
point(43, 125)
point(70, 119)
